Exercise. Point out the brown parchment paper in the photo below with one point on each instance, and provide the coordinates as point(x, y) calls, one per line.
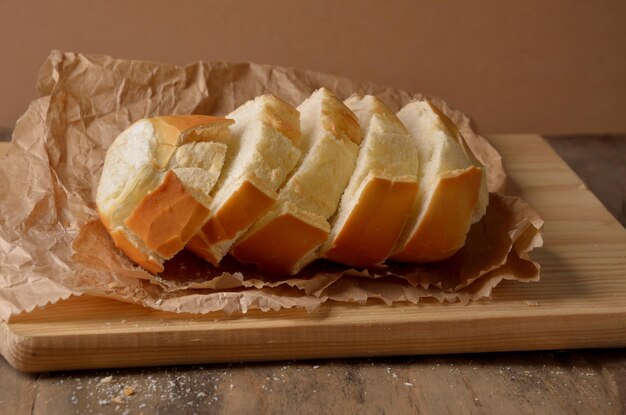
point(52, 245)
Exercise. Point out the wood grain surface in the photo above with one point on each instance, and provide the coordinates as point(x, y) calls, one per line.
point(550, 382)
point(601, 162)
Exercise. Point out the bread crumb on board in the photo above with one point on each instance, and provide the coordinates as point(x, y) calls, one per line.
point(118, 400)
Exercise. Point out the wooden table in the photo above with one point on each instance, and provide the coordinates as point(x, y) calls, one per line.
point(590, 381)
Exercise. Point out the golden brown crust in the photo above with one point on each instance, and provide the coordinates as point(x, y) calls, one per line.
point(442, 230)
point(340, 121)
point(181, 129)
point(282, 117)
point(244, 207)
point(167, 217)
point(382, 110)
point(375, 223)
point(483, 193)
point(446, 122)
point(135, 254)
point(175, 130)
point(454, 131)
point(279, 245)
point(186, 122)
point(124, 245)
point(200, 247)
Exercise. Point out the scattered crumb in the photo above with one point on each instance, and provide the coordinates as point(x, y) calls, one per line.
point(118, 400)
point(316, 367)
point(129, 390)
point(107, 379)
point(531, 303)
point(408, 384)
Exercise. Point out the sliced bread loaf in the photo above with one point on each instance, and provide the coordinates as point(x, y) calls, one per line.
point(381, 191)
point(452, 187)
point(154, 191)
point(262, 151)
point(287, 237)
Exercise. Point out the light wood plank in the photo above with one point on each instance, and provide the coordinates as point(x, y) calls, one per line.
point(580, 302)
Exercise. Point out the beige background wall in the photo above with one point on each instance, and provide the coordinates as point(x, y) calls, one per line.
point(536, 66)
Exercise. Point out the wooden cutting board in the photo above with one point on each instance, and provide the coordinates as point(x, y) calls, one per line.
point(580, 302)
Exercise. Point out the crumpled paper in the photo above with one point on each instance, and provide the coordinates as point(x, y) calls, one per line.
point(52, 245)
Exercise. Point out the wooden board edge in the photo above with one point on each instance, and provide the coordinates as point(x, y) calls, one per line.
point(143, 349)
point(9, 348)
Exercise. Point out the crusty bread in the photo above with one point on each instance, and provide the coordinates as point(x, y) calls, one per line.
point(261, 153)
point(452, 187)
point(286, 238)
point(381, 191)
point(154, 190)
point(279, 187)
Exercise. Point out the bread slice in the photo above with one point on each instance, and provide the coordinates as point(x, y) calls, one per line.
point(381, 191)
point(154, 190)
point(261, 153)
point(452, 187)
point(287, 237)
